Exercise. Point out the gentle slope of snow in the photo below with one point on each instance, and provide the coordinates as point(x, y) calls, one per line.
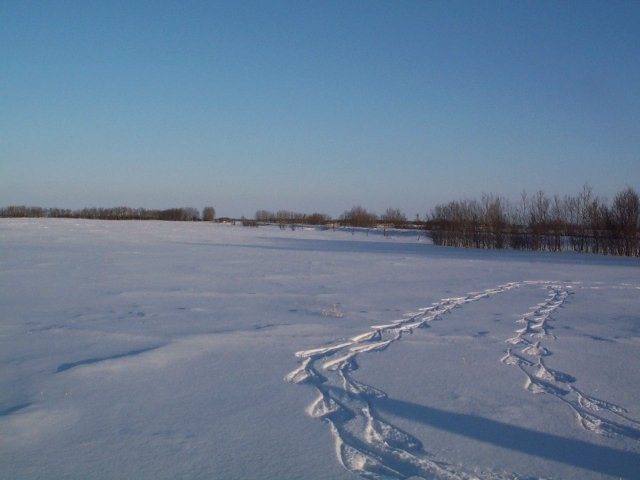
point(159, 350)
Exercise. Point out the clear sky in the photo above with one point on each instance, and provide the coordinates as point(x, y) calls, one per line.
point(315, 105)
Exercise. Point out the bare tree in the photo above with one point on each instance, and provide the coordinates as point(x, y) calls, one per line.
point(318, 219)
point(625, 214)
point(208, 214)
point(394, 217)
point(265, 216)
point(359, 217)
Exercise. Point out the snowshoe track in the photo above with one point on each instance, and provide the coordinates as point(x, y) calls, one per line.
point(374, 449)
point(534, 337)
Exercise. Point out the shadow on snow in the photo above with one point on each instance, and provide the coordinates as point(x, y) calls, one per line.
point(597, 458)
point(89, 361)
point(380, 246)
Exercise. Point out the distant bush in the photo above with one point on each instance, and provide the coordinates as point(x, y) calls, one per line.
point(247, 222)
point(393, 216)
point(208, 214)
point(358, 217)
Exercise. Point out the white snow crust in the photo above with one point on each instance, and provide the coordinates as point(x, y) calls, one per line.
point(161, 350)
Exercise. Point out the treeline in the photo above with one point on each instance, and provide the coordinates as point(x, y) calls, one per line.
point(360, 217)
point(356, 217)
point(183, 214)
point(581, 223)
point(289, 217)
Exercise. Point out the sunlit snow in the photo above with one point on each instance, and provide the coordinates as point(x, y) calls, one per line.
point(163, 350)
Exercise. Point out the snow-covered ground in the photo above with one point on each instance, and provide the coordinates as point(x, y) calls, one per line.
point(154, 350)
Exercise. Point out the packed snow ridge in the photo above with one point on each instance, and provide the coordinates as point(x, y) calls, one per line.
point(373, 448)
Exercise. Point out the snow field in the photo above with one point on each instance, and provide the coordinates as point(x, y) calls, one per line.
point(158, 350)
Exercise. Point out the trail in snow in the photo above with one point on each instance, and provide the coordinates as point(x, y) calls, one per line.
point(373, 448)
point(532, 338)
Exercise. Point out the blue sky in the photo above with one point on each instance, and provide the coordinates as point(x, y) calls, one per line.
point(315, 106)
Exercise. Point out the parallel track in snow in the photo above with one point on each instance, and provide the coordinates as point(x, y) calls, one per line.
point(373, 448)
point(531, 338)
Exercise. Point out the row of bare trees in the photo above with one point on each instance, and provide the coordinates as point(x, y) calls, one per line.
point(183, 214)
point(360, 217)
point(581, 223)
point(288, 217)
point(357, 216)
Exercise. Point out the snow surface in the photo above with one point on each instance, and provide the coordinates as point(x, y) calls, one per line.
point(154, 350)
